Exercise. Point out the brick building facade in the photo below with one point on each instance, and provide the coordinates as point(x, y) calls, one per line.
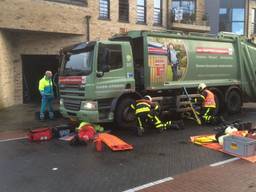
point(251, 7)
point(33, 31)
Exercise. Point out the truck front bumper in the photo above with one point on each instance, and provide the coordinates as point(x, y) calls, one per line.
point(91, 116)
point(82, 115)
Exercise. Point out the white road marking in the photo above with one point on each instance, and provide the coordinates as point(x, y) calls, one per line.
point(55, 169)
point(14, 139)
point(149, 184)
point(224, 162)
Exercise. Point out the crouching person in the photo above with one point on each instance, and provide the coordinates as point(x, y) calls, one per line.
point(208, 104)
point(147, 115)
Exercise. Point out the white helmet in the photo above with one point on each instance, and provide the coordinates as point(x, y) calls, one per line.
point(148, 97)
point(201, 86)
point(229, 130)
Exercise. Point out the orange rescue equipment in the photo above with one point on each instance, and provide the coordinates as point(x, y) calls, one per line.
point(114, 142)
point(209, 100)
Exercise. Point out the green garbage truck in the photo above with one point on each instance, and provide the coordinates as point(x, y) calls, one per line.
point(98, 80)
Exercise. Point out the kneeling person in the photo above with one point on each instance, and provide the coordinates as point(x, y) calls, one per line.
point(146, 113)
point(208, 104)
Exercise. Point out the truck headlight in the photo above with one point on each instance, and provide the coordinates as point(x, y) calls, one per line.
point(61, 102)
point(90, 105)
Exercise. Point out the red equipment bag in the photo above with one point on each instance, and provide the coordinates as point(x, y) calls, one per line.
point(86, 133)
point(40, 134)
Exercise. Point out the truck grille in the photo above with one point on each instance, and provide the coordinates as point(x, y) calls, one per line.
point(73, 105)
point(72, 90)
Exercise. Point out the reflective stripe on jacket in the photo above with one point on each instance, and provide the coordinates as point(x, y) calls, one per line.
point(45, 86)
point(209, 100)
point(142, 106)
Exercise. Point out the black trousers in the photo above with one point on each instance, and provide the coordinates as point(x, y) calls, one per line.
point(148, 120)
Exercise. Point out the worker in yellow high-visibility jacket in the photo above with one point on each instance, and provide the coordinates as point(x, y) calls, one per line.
point(46, 91)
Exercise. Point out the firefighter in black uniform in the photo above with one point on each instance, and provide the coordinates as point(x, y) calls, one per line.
point(147, 115)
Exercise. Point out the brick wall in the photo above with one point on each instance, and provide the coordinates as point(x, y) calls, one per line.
point(102, 29)
point(200, 11)
point(252, 5)
point(40, 15)
point(45, 16)
point(8, 71)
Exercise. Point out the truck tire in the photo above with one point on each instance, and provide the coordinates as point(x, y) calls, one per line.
point(233, 101)
point(124, 115)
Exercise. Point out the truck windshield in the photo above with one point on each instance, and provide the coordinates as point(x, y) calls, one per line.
point(78, 63)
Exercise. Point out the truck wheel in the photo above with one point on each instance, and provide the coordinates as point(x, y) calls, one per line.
point(124, 115)
point(233, 101)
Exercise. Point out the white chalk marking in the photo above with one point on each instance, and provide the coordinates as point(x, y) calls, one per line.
point(149, 184)
point(14, 139)
point(224, 162)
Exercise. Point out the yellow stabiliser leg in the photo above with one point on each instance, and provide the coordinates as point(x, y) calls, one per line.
point(198, 120)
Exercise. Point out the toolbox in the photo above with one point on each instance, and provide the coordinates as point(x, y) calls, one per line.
point(241, 146)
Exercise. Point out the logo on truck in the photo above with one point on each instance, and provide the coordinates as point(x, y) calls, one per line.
point(216, 51)
point(167, 60)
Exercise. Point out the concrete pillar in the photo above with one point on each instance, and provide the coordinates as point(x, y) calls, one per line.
point(10, 80)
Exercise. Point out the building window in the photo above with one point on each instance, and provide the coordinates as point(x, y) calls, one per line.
point(232, 19)
point(104, 9)
point(184, 11)
point(238, 21)
point(141, 11)
point(232, 16)
point(158, 12)
point(73, 2)
point(124, 10)
point(253, 24)
point(224, 24)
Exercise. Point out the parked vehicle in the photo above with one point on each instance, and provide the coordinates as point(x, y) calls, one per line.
point(100, 79)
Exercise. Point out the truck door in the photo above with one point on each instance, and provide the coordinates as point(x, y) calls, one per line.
point(110, 72)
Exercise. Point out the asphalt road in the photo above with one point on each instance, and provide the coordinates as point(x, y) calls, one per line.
point(57, 166)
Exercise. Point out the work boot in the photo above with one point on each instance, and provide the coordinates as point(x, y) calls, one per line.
point(140, 131)
point(51, 115)
point(42, 117)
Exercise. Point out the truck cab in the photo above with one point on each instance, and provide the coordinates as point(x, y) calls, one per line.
point(92, 76)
